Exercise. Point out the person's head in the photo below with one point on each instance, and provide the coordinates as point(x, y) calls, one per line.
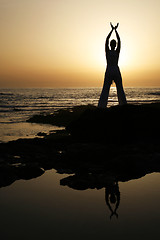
point(113, 44)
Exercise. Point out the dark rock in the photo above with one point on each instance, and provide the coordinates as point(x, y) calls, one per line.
point(41, 134)
point(120, 142)
point(61, 117)
point(118, 123)
point(7, 175)
point(28, 172)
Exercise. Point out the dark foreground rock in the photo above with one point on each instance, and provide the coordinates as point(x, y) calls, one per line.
point(119, 123)
point(119, 143)
point(61, 117)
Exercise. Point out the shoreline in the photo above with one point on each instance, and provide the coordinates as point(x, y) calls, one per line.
point(17, 105)
point(23, 130)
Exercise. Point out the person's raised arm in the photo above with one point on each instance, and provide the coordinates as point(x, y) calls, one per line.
point(118, 38)
point(107, 39)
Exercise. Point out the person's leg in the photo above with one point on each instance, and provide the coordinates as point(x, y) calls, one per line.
point(105, 92)
point(120, 91)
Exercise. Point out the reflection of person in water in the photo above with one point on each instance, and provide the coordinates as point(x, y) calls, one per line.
point(112, 196)
point(85, 181)
point(112, 71)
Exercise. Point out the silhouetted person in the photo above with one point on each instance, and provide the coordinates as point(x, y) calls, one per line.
point(112, 196)
point(112, 71)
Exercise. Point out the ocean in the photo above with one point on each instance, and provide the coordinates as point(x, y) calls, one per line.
point(18, 105)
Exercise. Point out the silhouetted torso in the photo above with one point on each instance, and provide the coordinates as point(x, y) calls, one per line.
point(112, 57)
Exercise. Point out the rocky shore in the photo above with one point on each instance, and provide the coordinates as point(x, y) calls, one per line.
point(119, 143)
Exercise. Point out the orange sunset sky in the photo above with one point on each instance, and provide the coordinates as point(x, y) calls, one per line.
point(50, 43)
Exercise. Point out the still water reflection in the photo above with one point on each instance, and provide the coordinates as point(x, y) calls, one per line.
point(51, 207)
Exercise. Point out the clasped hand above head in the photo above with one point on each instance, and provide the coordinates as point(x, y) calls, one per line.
point(114, 28)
